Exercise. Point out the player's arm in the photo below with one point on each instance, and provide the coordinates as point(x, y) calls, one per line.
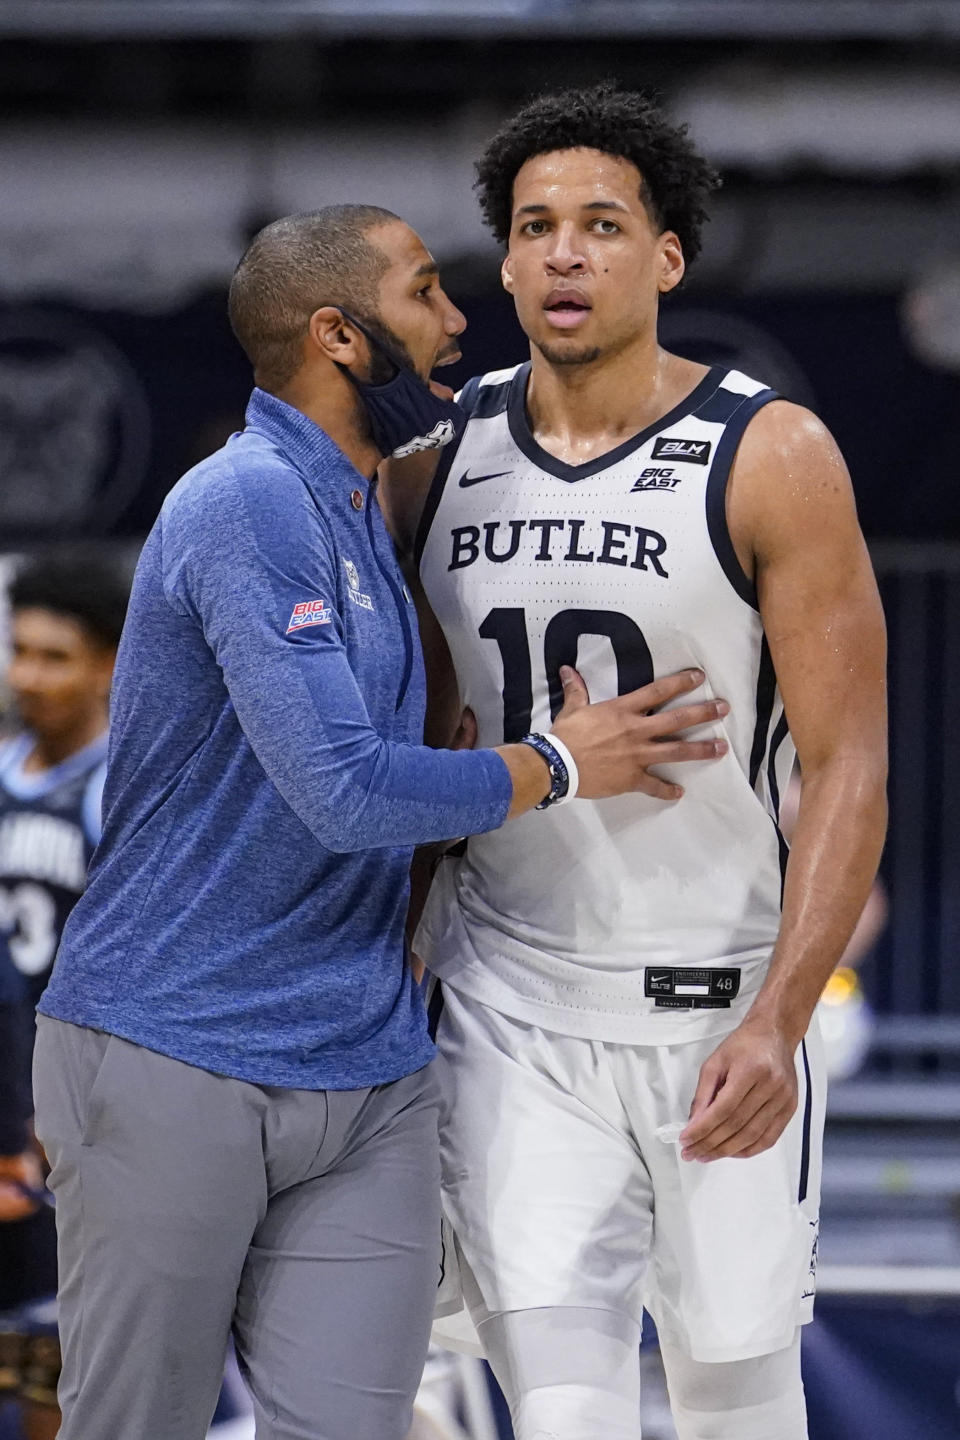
point(446, 726)
point(792, 517)
point(444, 710)
point(402, 492)
point(876, 912)
point(402, 495)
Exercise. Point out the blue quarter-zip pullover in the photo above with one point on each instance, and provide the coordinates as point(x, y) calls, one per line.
point(266, 781)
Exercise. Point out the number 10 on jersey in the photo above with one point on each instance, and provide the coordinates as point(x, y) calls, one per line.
point(508, 628)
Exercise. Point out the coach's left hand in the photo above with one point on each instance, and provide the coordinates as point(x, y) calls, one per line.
point(745, 1096)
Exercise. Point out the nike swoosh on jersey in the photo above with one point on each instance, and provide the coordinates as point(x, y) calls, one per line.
point(466, 480)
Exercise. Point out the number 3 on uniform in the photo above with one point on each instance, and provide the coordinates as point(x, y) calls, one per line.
point(508, 627)
point(29, 915)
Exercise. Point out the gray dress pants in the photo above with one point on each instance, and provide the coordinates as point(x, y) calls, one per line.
point(190, 1205)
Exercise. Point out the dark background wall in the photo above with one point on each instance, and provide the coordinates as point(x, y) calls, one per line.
point(169, 386)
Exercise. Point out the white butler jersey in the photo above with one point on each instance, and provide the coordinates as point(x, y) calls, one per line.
point(628, 919)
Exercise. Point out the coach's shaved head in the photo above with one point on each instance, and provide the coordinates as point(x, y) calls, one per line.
point(295, 266)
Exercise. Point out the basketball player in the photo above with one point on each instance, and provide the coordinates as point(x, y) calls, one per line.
point(67, 612)
point(633, 1102)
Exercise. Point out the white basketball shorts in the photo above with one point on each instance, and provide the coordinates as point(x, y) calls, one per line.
point(558, 1191)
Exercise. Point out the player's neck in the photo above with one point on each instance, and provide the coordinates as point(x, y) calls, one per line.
point(50, 750)
point(578, 412)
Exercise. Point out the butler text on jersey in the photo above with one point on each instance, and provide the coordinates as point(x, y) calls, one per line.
point(607, 542)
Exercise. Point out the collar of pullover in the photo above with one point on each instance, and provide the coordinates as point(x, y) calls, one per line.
point(318, 458)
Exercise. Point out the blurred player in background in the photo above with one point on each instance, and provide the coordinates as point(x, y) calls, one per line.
point(628, 987)
point(67, 611)
point(21, 1177)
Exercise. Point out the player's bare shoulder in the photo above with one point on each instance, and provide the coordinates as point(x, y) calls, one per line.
point(788, 480)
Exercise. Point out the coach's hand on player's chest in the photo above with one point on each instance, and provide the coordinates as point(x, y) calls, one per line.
point(616, 741)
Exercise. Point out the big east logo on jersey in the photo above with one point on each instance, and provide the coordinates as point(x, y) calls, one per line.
point(657, 477)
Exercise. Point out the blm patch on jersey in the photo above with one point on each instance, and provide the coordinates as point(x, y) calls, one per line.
point(694, 452)
point(309, 612)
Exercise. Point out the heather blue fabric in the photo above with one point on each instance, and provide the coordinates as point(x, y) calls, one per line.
point(266, 781)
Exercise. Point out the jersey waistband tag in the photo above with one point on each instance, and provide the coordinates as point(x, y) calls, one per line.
point(689, 989)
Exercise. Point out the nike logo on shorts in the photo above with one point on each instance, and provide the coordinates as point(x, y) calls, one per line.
point(467, 480)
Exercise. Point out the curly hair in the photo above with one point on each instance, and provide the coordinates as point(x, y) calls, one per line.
point(676, 182)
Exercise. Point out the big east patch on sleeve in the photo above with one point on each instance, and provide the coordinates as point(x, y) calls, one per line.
point(309, 612)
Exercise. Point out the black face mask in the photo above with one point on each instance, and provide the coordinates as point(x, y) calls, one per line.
point(405, 416)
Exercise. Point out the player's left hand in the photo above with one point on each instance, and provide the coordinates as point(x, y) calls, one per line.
point(746, 1094)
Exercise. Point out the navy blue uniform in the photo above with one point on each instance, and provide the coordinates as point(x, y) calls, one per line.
point(49, 827)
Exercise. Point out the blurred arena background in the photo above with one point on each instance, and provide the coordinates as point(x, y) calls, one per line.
point(145, 140)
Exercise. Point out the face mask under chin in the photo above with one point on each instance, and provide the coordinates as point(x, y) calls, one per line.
point(404, 414)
